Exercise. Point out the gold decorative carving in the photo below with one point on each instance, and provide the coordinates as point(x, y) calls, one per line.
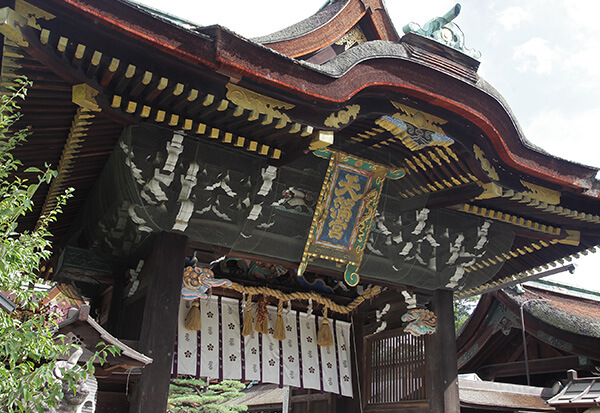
point(572, 237)
point(344, 213)
point(321, 141)
point(490, 190)
point(485, 164)
point(77, 133)
point(419, 119)
point(416, 129)
point(343, 116)
point(542, 194)
point(526, 273)
point(11, 23)
point(32, 13)
point(253, 101)
point(509, 219)
point(85, 96)
point(354, 36)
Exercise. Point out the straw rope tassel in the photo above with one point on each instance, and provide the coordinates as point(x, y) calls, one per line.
point(262, 323)
point(248, 324)
point(193, 320)
point(325, 336)
point(279, 332)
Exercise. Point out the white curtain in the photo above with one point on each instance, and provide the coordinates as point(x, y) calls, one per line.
point(219, 350)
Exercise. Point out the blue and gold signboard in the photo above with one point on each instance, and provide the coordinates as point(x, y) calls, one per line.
point(344, 212)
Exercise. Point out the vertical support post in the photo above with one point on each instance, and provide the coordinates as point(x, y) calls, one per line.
point(114, 314)
point(442, 368)
point(164, 271)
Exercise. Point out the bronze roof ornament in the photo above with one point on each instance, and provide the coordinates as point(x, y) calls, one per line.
point(444, 31)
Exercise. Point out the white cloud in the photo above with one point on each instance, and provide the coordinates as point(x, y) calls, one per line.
point(569, 136)
point(580, 15)
point(512, 17)
point(586, 60)
point(536, 55)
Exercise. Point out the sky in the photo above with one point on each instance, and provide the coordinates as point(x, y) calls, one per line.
point(543, 56)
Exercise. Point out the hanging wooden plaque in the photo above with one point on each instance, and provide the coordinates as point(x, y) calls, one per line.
point(345, 210)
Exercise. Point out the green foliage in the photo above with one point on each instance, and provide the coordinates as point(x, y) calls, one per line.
point(193, 395)
point(29, 348)
point(463, 309)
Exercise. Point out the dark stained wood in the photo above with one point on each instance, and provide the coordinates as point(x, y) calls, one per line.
point(441, 357)
point(536, 366)
point(245, 59)
point(307, 401)
point(324, 35)
point(395, 372)
point(164, 268)
point(491, 343)
point(111, 402)
point(406, 408)
point(116, 302)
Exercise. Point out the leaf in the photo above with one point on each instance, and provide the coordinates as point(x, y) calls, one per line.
point(27, 347)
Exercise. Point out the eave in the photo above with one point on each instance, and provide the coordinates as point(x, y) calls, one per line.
point(500, 310)
point(225, 52)
point(191, 71)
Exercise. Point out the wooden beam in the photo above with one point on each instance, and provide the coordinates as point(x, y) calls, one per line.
point(539, 366)
point(164, 270)
point(489, 287)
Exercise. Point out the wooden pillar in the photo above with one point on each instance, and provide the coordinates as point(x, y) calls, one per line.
point(116, 305)
point(441, 357)
point(164, 269)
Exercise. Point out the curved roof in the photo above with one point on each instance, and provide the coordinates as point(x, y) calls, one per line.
point(427, 74)
point(564, 320)
point(306, 26)
point(346, 71)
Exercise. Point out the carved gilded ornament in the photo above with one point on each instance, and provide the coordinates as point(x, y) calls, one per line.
point(485, 164)
point(253, 101)
point(197, 281)
point(490, 190)
point(344, 213)
point(421, 322)
point(32, 13)
point(541, 193)
point(343, 116)
point(416, 129)
point(571, 237)
point(11, 23)
point(85, 96)
point(420, 119)
point(321, 141)
point(354, 36)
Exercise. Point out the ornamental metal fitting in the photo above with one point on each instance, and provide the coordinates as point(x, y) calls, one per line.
point(444, 31)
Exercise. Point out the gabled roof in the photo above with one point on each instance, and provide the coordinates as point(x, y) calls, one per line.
point(81, 329)
point(579, 393)
point(488, 395)
point(474, 394)
point(562, 329)
point(330, 24)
